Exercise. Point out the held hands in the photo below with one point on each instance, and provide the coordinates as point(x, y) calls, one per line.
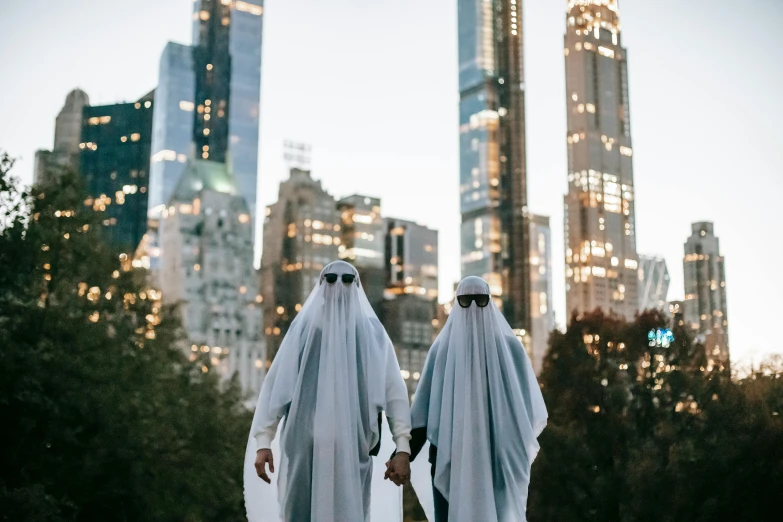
point(264, 456)
point(398, 469)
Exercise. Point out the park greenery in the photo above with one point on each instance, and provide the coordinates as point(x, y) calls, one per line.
point(104, 418)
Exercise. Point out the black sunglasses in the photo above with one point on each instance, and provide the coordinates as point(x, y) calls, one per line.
point(347, 278)
point(464, 301)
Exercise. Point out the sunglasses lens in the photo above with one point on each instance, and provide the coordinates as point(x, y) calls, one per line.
point(464, 300)
point(330, 278)
point(348, 278)
point(482, 300)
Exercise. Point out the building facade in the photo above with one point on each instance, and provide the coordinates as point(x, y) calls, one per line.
point(653, 283)
point(302, 234)
point(541, 310)
point(115, 162)
point(67, 136)
point(411, 259)
point(209, 98)
point(363, 234)
point(206, 268)
point(601, 259)
point(705, 293)
point(493, 186)
point(409, 309)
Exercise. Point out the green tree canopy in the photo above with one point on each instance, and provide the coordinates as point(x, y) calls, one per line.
point(103, 416)
point(643, 433)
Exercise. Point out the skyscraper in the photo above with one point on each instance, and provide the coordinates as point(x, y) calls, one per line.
point(206, 269)
point(363, 233)
point(67, 136)
point(115, 163)
point(541, 310)
point(601, 259)
point(705, 292)
point(209, 96)
point(410, 300)
point(653, 283)
point(493, 187)
point(411, 259)
point(301, 236)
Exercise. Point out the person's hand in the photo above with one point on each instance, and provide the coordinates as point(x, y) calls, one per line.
point(264, 456)
point(398, 469)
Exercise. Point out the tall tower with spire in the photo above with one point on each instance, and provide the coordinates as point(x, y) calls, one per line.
point(600, 232)
point(493, 186)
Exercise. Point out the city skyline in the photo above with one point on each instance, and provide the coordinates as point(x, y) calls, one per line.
point(685, 111)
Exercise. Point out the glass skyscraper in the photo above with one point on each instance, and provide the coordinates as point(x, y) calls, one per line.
point(541, 311)
point(114, 160)
point(705, 293)
point(493, 191)
point(653, 283)
point(601, 260)
point(208, 99)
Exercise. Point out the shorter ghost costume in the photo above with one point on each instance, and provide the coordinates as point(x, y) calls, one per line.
point(479, 406)
point(333, 376)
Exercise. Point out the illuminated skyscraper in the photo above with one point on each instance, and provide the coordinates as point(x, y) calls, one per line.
point(601, 259)
point(541, 311)
point(206, 269)
point(363, 233)
point(301, 236)
point(493, 187)
point(705, 292)
point(208, 99)
point(115, 164)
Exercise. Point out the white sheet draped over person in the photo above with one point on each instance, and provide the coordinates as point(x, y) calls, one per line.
point(333, 376)
point(481, 409)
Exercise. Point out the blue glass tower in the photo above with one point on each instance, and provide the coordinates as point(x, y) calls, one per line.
point(493, 191)
point(209, 98)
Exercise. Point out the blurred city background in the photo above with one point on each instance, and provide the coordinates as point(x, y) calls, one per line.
point(178, 172)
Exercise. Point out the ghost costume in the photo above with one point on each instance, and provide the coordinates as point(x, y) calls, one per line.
point(479, 406)
point(333, 376)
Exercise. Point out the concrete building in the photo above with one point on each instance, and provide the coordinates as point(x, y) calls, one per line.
point(206, 267)
point(541, 309)
point(67, 136)
point(493, 185)
point(302, 233)
point(705, 293)
point(600, 231)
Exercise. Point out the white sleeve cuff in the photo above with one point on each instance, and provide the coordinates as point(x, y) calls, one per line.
point(263, 441)
point(403, 444)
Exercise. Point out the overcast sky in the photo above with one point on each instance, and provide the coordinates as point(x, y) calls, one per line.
point(373, 87)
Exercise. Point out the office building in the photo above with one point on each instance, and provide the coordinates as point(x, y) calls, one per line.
point(206, 268)
point(493, 186)
point(600, 232)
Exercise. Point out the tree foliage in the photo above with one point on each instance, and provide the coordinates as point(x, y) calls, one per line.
point(103, 416)
point(644, 433)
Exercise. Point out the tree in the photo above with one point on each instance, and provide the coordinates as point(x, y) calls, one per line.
point(639, 431)
point(104, 417)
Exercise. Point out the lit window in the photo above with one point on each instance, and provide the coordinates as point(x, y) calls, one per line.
point(604, 51)
point(186, 105)
point(163, 155)
point(246, 7)
point(147, 104)
point(135, 136)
